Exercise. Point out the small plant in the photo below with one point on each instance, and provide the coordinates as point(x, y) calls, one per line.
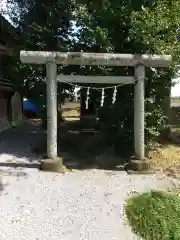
point(154, 215)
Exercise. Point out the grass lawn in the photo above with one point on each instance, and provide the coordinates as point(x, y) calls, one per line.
point(154, 215)
point(166, 154)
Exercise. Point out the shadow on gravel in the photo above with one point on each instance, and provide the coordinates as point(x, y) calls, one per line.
point(20, 165)
point(5, 172)
point(17, 144)
point(84, 148)
point(10, 172)
point(2, 186)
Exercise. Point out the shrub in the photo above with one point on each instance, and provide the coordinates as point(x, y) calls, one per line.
point(154, 215)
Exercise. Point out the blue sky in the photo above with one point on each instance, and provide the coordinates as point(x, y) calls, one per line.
point(175, 91)
point(4, 8)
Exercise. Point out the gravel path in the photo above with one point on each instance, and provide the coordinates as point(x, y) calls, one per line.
point(79, 205)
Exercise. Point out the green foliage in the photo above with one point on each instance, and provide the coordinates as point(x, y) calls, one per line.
point(155, 120)
point(117, 126)
point(154, 215)
point(132, 27)
point(43, 26)
point(156, 27)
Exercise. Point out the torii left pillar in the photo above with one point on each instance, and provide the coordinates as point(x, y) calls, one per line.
point(51, 72)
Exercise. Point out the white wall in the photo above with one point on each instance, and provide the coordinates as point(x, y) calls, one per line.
point(16, 105)
point(175, 91)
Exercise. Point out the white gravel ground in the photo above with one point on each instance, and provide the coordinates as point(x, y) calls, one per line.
point(77, 205)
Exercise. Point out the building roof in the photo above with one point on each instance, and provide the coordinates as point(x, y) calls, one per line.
point(10, 41)
point(10, 38)
point(6, 85)
point(6, 26)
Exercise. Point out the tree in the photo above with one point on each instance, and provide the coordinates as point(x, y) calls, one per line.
point(132, 27)
point(157, 28)
point(119, 26)
point(43, 26)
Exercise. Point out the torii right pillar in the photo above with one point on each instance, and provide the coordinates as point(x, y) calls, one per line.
point(139, 112)
point(140, 163)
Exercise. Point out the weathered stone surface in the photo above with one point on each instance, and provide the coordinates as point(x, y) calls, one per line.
point(107, 59)
point(145, 165)
point(53, 165)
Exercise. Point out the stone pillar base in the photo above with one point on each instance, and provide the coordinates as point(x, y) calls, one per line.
point(53, 165)
point(144, 166)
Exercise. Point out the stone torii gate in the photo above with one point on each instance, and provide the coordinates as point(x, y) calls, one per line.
point(139, 62)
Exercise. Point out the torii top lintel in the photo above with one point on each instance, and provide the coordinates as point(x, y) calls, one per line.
point(107, 59)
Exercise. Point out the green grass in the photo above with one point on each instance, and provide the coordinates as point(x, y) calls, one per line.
point(154, 215)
